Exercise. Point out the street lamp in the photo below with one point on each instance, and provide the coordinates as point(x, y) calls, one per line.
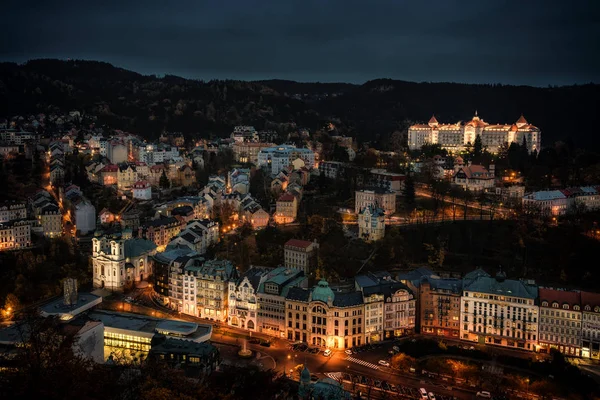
point(527, 394)
point(286, 364)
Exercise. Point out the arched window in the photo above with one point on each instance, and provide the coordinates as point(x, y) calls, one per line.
point(576, 308)
point(565, 306)
point(588, 308)
point(555, 305)
point(544, 303)
point(596, 309)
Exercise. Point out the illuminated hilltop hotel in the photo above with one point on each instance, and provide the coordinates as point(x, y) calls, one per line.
point(454, 137)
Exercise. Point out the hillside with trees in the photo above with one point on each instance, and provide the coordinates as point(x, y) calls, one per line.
point(147, 105)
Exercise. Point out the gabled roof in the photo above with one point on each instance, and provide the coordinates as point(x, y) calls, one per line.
point(433, 121)
point(286, 197)
point(298, 243)
point(522, 120)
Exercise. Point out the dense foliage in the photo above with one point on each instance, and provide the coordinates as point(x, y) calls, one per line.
point(370, 112)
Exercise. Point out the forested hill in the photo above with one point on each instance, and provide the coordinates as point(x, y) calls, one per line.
point(148, 104)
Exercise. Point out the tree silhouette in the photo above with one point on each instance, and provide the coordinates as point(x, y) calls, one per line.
point(164, 182)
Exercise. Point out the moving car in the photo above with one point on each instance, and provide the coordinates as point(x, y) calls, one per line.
point(327, 353)
point(423, 393)
point(484, 394)
point(384, 363)
point(349, 352)
point(396, 348)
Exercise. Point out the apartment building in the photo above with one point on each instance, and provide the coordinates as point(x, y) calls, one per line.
point(384, 198)
point(560, 321)
point(286, 209)
point(11, 210)
point(439, 306)
point(590, 303)
point(301, 255)
point(161, 230)
point(272, 292)
point(243, 298)
point(15, 234)
point(499, 311)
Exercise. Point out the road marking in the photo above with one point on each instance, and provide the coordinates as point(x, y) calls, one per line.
point(336, 376)
point(361, 362)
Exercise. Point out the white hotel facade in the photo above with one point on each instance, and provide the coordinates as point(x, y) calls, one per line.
point(454, 137)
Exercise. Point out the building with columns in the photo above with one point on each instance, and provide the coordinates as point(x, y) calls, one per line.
point(499, 311)
point(455, 137)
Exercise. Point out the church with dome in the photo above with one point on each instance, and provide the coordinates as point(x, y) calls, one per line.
point(455, 137)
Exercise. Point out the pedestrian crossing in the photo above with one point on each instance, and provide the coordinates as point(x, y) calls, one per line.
point(361, 362)
point(336, 376)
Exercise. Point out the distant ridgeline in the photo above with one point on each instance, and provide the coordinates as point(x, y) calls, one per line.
point(148, 105)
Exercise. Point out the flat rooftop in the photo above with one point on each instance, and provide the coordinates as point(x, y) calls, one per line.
point(84, 302)
point(146, 324)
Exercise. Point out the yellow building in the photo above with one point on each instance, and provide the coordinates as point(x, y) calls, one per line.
point(322, 318)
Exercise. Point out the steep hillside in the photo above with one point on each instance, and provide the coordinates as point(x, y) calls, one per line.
point(148, 104)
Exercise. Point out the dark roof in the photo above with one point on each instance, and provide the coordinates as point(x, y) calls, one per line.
point(183, 210)
point(254, 275)
point(387, 289)
point(157, 223)
point(297, 294)
point(347, 299)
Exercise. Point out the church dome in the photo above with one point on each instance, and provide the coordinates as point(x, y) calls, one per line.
point(322, 292)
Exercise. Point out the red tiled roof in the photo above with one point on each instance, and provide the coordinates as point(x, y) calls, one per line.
point(298, 243)
point(157, 167)
point(522, 120)
point(589, 299)
point(561, 296)
point(141, 185)
point(433, 120)
point(286, 197)
point(110, 168)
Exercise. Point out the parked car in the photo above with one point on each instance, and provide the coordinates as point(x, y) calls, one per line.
point(484, 394)
point(327, 353)
point(396, 348)
point(384, 363)
point(348, 351)
point(431, 396)
point(423, 393)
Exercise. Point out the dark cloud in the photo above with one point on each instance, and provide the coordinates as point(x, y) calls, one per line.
point(535, 42)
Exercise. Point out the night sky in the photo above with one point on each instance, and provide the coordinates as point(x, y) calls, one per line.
point(533, 42)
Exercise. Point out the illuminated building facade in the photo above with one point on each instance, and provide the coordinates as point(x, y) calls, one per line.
point(455, 137)
point(272, 292)
point(439, 306)
point(499, 311)
point(560, 321)
point(323, 318)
